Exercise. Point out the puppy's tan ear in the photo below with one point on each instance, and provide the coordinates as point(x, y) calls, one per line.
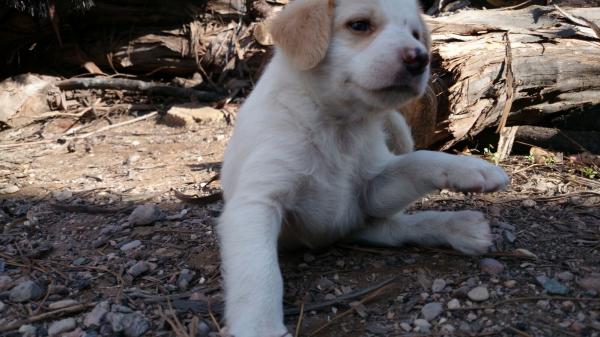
point(303, 31)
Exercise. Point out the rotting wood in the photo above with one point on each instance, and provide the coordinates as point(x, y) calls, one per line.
point(560, 140)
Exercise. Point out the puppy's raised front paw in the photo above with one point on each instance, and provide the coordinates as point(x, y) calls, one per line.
point(475, 175)
point(469, 232)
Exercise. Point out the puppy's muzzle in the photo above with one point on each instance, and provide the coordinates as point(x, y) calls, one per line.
point(415, 60)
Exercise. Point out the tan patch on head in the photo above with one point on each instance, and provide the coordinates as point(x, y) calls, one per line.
point(303, 31)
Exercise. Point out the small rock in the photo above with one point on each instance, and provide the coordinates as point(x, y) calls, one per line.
point(80, 261)
point(131, 245)
point(2, 306)
point(405, 326)
point(9, 189)
point(438, 285)
point(510, 236)
point(478, 294)
point(145, 215)
point(491, 266)
point(26, 291)
point(525, 253)
point(529, 203)
point(133, 324)
point(28, 330)
point(62, 195)
point(453, 304)
point(422, 325)
point(544, 305)
point(431, 310)
point(448, 329)
point(565, 276)
point(590, 283)
point(202, 329)
point(94, 317)
point(6, 282)
point(132, 159)
point(552, 286)
point(510, 283)
point(62, 304)
point(139, 268)
point(184, 279)
point(64, 325)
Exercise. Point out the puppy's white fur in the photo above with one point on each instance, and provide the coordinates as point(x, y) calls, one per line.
point(308, 162)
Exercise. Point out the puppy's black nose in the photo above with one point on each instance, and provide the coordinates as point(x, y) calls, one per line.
point(415, 60)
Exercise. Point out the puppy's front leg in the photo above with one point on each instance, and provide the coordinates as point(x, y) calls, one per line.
point(409, 177)
point(253, 285)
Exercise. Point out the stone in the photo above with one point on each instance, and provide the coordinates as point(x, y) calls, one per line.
point(478, 294)
point(184, 279)
point(145, 215)
point(510, 283)
point(139, 268)
point(80, 261)
point(6, 282)
point(28, 330)
point(524, 252)
point(491, 266)
point(453, 304)
point(405, 326)
point(448, 329)
point(62, 304)
point(552, 286)
point(64, 325)
point(94, 317)
point(25, 291)
point(187, 115)
point(131, 325)
point(422, 326)
point(590, 283)
point(431, 310)
point(62, 195)
point(131, 245)
point(9, 189)
point(565, 276)
point(438, 285)
point(2, 306)
point(202, 329)
point(529, 203)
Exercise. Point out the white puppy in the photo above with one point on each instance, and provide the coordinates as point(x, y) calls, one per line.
point(308, 162)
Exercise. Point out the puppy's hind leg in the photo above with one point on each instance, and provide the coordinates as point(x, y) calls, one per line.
point(465, 231)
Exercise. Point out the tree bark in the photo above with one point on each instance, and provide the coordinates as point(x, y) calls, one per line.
point(559, 140)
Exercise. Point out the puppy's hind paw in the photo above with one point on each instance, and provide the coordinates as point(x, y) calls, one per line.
point(469, 232)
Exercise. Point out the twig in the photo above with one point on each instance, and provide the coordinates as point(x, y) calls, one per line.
point(109, 127)
point(349, 311)
point(88, 209)
point(136, 85)
point(527, 299)
point(50, 314)
point(518, 332)
point(510, 84)
point(300, 318)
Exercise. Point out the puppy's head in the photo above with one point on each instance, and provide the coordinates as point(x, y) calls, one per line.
point(372, 52)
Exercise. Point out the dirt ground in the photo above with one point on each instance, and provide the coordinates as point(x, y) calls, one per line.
point(66, 225)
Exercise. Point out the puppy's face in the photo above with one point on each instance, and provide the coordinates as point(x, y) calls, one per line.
point(371, 52)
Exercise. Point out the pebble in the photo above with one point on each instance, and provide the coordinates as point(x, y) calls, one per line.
point(80, 261)
point(139, 268)
point(28, 330)
point(6, 282)
point(202, 329)
point(431, 310)
point(448, 329)
point(510, 283)
point(184, 279)
point(422, 325)
point(25, 291)
point(552, 286)
point(438, 285)
point(145, 215)
point(590, 283)
point(94, 317)
point(491, 266)
point(565, 276)
point(510, 236)
point(61, 326)
point(478, 294)
point(453, 304)
point(132, 159)
point(525, 252)
point(405, 326)
point(9, 189)
point(62, 304)
point(131, 245)
point(62, 195)
point(2, 306)
point(529, 203)
point(132, 325)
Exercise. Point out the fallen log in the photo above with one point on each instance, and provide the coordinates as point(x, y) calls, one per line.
point(567, 141)
point(540, 61)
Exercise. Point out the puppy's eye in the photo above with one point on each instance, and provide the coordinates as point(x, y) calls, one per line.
point(360, 25)
point(416, 35)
